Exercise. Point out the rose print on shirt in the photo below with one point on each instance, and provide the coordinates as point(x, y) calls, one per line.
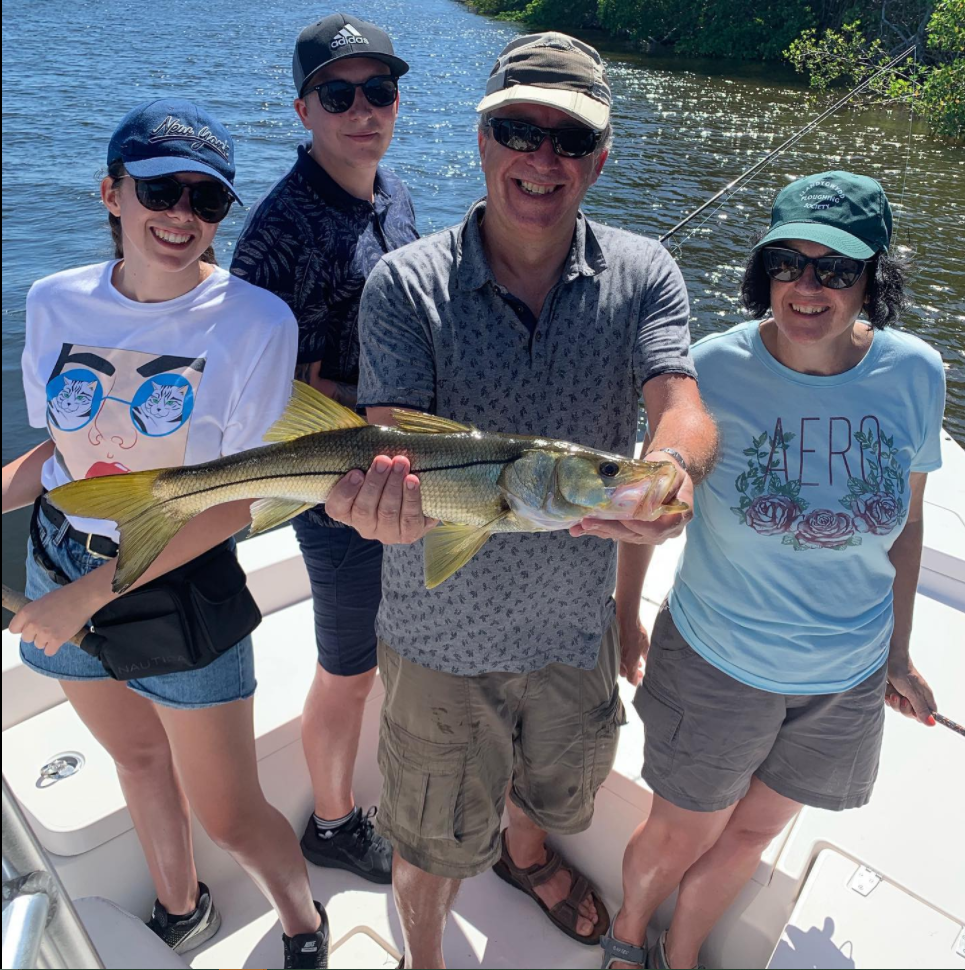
point(771, 504)
point(875, 501)
point(823, 529)
point(771, 514)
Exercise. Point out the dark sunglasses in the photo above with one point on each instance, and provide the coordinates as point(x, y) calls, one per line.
point(338, 96)
point(210, 201)
point(521, 136)
point(834, 272)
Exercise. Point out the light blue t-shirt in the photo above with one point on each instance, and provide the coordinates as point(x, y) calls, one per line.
point(785, 581)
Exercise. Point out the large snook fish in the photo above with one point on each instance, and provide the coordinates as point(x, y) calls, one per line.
point(477, 483)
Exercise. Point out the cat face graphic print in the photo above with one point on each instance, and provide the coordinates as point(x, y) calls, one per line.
point(112, 411)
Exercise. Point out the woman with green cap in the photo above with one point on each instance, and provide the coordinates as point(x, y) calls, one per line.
point(788, 625)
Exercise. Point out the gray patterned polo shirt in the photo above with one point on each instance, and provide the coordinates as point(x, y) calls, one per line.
point(439, 334)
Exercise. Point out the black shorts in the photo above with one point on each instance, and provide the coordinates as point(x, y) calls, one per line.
point(345, 571)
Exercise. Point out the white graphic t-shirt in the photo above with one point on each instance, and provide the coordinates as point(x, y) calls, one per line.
point(125, 386)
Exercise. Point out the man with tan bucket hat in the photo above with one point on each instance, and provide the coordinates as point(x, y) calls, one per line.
point(526, 317)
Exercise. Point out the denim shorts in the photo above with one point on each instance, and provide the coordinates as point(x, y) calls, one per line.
point(345, 571)
point(229, 678)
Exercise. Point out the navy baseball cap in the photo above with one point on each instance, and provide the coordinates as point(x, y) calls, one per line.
point(173, 135)
point(336, 36)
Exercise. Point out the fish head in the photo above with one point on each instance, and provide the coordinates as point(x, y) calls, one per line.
point(613, 486)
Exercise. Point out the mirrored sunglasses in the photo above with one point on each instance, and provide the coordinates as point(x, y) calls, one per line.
point(833, 272)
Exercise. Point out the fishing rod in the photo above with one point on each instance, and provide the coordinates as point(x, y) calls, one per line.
point(790, 141)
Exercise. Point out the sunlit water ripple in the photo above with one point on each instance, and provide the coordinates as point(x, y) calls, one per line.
point(682, 131)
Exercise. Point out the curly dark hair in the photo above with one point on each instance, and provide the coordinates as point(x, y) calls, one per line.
point(884, 288)
point(115, 172)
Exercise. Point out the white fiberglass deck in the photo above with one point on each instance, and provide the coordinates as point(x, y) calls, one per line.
point(910, 835)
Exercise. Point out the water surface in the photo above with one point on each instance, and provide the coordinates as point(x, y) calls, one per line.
point(682, 131)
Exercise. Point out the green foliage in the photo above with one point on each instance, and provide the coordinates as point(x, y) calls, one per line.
point(843, 57)
point(837, 43)
point(735, 28)
point(561, 14)
point(497, 8)
point(650, 21)
point(943, 99)
point(946, 28)
point(846, 57)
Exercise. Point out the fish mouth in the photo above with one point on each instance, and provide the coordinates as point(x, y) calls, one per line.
point(641, 499)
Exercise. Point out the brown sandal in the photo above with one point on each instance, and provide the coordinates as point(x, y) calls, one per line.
point(566, 912)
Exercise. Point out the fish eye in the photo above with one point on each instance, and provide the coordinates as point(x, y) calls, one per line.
point(609, 469)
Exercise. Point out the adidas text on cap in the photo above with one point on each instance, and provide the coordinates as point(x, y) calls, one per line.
point(845, 212)
point(551, 69)
point(340, 35)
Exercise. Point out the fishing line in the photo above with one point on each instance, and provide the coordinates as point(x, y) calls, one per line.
point(678, 247)
point(793, 139)
point(911, 121)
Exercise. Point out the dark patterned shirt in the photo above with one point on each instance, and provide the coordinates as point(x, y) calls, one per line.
point(314, 244)
point(439, 334)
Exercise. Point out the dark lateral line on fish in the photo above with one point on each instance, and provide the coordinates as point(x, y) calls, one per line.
point(324, 474)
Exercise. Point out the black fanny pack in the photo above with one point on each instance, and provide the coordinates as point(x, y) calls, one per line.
point(182, 620)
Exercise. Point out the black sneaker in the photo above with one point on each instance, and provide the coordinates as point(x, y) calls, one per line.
point(355, 847)
point(191, 931)
point(308, 950)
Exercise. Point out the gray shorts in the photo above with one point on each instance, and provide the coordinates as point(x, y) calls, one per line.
point(451, 744)
point(707, 734)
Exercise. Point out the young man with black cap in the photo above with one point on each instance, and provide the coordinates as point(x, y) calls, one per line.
point(313, 240)
point(527, 317)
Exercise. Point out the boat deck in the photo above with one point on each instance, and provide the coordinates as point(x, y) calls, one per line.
point(910, 835)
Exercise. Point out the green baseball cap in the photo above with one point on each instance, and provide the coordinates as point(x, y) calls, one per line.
point(845, 212)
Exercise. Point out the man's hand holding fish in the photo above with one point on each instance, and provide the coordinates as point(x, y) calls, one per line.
point(384, 504)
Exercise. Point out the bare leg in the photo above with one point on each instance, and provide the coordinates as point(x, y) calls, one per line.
point(130, 731)
point(214, 750)
point(712, 883)
point(423, 902)
point(526, 843)
point(660, 851)
point(331, 724)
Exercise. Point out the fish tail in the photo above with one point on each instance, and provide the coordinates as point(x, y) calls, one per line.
point(145, 521)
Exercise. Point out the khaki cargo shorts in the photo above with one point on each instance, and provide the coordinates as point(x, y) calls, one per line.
point(450, 745)
point(706, 734)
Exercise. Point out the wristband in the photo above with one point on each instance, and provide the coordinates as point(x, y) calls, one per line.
point(677, 457)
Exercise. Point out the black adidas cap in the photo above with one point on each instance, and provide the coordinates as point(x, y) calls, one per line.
point(336, 36)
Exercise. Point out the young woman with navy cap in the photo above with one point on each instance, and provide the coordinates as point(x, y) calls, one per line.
point(159, 357)
point(788, 627)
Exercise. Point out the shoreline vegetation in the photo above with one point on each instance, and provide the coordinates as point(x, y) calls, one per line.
point(835, 44)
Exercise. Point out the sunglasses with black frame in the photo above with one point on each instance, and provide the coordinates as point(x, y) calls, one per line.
point(210, 200)
point(832, 272)
point(337, 96)
point(522, 136)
